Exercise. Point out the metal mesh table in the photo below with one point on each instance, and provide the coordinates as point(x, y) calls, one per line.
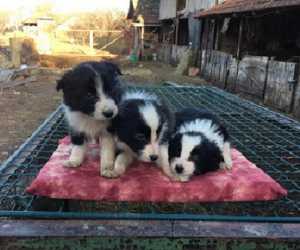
point(268, 139)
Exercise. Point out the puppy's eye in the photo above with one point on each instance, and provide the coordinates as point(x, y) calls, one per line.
point(140, 137)
point(193, 158)
point(91, 90)
point(159, 129)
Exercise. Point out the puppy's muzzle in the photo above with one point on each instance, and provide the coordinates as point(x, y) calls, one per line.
point(108, 114)
point(179, 168)
point(153, 158)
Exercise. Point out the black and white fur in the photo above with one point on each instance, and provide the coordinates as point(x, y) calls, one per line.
point(199, 144)
point(92, 92)
point(140, 128)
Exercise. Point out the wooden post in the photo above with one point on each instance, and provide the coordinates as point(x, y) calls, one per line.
point(91, 40)
point(177, 31)
point(142, 40)
point(217, 34)
point(15, 46)
point(238, 53)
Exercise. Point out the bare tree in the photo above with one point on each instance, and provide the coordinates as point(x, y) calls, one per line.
point(101, 20)
point(4, 19)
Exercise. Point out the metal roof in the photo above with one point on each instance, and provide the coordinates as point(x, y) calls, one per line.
point(239, 6)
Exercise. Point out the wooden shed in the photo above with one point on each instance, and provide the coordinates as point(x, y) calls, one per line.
point(179, 29)
point(257, 44)
point(145, 25)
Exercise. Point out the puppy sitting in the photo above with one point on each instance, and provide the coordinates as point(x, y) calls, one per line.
point(92, 92)
point(198, 144)
point(140, 127)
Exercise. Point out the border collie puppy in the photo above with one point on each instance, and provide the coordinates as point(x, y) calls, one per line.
point(140, 127)
point(92, 92)
point(199, 143)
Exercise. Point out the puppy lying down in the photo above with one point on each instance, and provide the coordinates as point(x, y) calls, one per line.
point(139, 129)
point(199, 143)
point(144, 130)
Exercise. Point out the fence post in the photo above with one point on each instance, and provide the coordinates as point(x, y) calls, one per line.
point(91, 40)
point(239, 44)
point(15, 46)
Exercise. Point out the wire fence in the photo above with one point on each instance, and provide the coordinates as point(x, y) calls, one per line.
point(268, 139)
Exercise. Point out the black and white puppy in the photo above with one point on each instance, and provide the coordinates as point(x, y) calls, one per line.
point(92, 92)
point(199, 144)
point(140, 127)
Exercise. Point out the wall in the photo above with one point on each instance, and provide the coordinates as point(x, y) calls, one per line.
point(271, 82)
point(195, 5)
point(167, 9)
point(170, 53)
point(270, 35)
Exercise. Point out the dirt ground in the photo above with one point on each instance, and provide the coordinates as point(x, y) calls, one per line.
point(150, 72)
point(24, 108)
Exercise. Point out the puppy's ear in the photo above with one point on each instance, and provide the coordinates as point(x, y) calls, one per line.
point(175, 146)
point(59, 84)
point(168, 115)
point(114, 67)
point(117, 69)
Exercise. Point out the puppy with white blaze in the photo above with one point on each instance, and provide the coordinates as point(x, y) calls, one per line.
point(92, 92)
point(199, 144)
point(141, 126)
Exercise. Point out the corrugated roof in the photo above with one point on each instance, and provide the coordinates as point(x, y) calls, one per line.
point(238, 6)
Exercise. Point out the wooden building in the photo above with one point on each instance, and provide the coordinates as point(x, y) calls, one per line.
point(252, 47)
point(180, 31)
point(145, 26)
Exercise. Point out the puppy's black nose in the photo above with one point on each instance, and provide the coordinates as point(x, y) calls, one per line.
point(108, 114)
point(153, 157)
point(178, 168)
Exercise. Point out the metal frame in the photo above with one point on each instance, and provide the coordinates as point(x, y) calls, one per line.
point(61, 213)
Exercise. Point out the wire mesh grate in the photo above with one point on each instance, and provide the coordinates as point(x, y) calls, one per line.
point(268, 139)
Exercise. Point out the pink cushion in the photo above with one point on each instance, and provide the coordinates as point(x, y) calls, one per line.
point(145, 182)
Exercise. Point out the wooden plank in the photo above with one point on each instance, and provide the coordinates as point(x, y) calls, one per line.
point(15, 47)
point(208, 68)
point(251, 79)
point(148, 228)
point(225, 64)
point(280, 85)
point(239, 43)
point(232, 74)
point(73, 228)
point(203, 60)
point(235, 230)
point(12, 84)
point(215, 67)
point(224, 60)
point(207, 65)
point(218, 67)
point(296, 106)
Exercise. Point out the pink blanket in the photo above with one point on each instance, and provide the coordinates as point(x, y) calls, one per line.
point(145, 182)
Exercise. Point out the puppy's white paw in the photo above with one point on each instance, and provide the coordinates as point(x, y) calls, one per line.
point(226, 166)
point(176, 178)
point(107, 170)
point(109, 173)
point(72, 163)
